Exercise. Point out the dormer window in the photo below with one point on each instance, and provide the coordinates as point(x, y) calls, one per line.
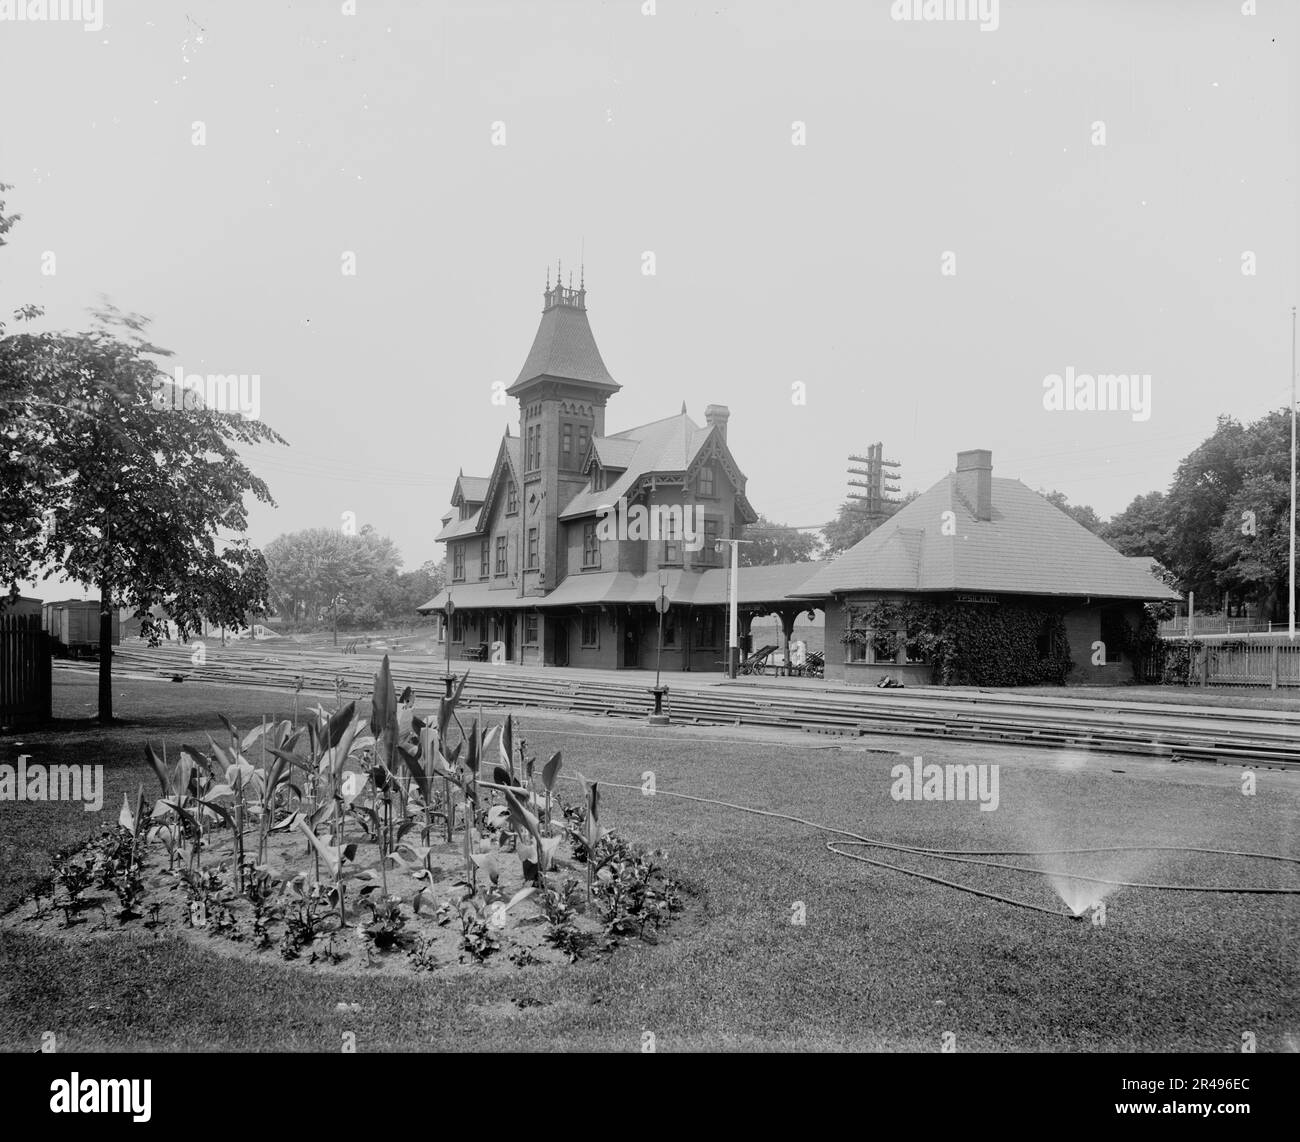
point(512, 498)
point(704, 481)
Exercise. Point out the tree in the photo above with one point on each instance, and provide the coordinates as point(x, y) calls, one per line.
point(1249, 546)
point(852, 525)
point(1080, 513)
point(1142, 528)
point(352, 578)
point(776, 543)
point(133, 489)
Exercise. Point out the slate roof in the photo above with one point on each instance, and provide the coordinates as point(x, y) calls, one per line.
point(460, 528)
point(774, 584)
point(564, 347)
point(613, 451)
point(474, 488)
point(1029, 547)
point(668, 445)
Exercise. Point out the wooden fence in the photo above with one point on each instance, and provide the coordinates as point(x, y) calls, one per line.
point(1196, 663)
point(25, 690)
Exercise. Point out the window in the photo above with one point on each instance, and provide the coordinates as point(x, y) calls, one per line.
point(512, 498)
point(884, 646)
point(503, 564)
point(590, 546)
point(533, 448)
point(672, 541)
point(530, 630)
point(709, 628)
point(458, 562)
point(705, 480)
point(591, 629)
point(712, 533)
point(483, 560)
point(532, 549)
point(856, 637)
point(566, 440)
point(458, 627)
point(584, 438)
point(915, 646)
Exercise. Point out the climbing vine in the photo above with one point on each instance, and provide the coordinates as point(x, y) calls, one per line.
point(1002, 644)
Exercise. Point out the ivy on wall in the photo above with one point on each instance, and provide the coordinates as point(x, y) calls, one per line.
point(1002, 644)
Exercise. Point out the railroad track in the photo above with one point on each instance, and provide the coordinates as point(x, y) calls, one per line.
point(1224, 737)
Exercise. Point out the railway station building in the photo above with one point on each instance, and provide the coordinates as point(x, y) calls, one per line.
point(557, 556)
point(979, 543)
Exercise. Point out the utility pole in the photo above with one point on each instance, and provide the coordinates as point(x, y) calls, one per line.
point(733, 610)
point(878, 471)
point(1291, 578)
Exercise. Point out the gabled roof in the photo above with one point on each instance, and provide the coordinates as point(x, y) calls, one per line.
point(470, 490)
point(667, 446)
point(613, 451)
point(1028, 547)
point(505, 468)
point(564, 346)
point(473, 489)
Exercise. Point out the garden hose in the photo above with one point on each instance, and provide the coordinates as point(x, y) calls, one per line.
point(964, 856)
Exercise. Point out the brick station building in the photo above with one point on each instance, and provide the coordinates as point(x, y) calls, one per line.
point(548, 557)
point(975, 540)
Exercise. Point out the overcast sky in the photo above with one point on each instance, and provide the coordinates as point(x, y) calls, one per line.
point(781, 255)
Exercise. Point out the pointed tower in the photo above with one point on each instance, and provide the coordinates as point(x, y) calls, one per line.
point(562, 390)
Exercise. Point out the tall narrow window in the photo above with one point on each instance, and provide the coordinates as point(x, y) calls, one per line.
point(590, 546)
point(566, 440)
point(502, 560)
point(532, 549)
point(584, 437)
point(708, 553)
point(483, 560)
point(672, 542)
point(458, 562)
point(512, 498)
point(705, 481)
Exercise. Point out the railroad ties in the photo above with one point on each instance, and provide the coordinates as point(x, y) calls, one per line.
point(1005, 719)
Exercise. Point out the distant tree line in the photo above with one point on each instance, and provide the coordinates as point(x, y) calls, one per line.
point(320, 576)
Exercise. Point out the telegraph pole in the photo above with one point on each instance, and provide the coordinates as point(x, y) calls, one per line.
point(877, 472)
point(1291, 578)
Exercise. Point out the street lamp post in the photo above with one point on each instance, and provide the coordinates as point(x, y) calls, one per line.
point(450, 609)
point(659, 718)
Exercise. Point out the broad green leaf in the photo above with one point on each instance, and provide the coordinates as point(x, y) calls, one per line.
point(551, 771)
point(157, 766)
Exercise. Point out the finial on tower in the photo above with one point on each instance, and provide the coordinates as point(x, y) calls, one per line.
point(683, 408)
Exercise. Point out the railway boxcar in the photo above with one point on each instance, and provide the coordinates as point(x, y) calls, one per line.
point(74, 626)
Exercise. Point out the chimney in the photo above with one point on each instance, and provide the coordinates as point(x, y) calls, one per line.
point(716, 416)
point(975, 481)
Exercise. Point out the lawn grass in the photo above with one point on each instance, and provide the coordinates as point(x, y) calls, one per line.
point(884, 961)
